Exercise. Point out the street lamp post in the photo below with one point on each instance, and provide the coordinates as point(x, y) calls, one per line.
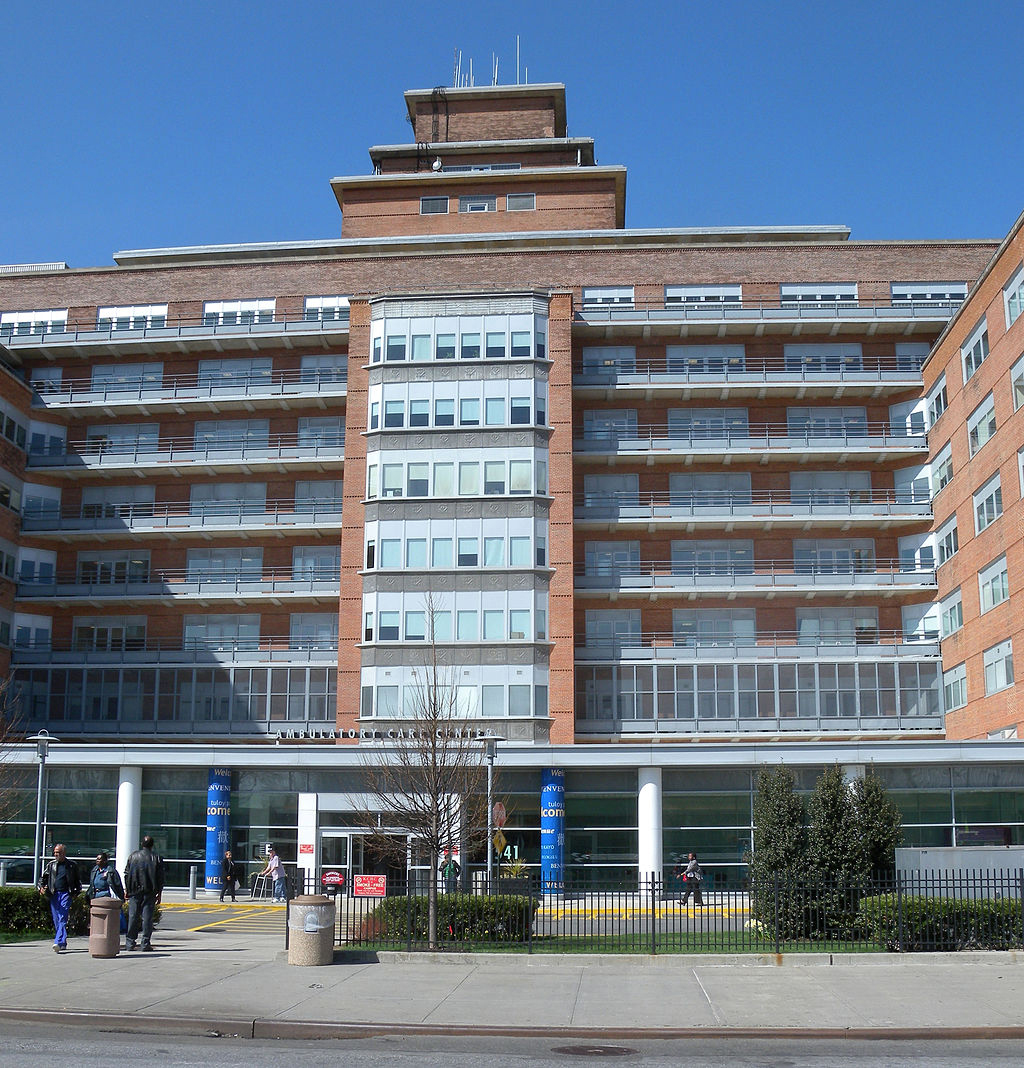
point(491, 749)
point(42, 740)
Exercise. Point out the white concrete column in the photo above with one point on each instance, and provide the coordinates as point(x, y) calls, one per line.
point(307, 860)
point(129, 814)
point(648, 815)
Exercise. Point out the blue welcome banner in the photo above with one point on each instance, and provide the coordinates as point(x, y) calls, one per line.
point(552, 830)
point(218, 823)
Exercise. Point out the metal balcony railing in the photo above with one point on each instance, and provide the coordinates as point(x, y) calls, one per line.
point(697, 370)
point(179, 651)
point(668, 574)
point(852, 503)
point(214, 515)
point(186, 450)
point(868, 644)
point(665, 437)
point(767, 309)
point(236, 583)
point(176, 327)
point(83, 391)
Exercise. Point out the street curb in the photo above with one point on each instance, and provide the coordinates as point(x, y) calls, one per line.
point(260, 1028)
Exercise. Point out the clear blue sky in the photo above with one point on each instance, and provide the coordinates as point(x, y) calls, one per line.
point(136, 125)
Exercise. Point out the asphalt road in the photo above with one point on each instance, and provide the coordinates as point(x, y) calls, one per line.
point(29, 1044)
point(212, 916)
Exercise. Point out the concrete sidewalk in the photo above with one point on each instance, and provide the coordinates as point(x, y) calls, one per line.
point(237, 983)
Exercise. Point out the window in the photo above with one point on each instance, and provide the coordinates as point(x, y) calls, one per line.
point(521, 202)
point(109, 633)
point(988, 504)
point(20, 323)
point(325, 309)
point(444, 412)
point(321, 431)
point(620, 359)
point(826, 422)
point(609, 424)
point(836, 626)
point(833, 556)
point(131, 317)
point(416, 553)
point(469, 411)
point(793, 294)
point(613, 627)
point(318, 562)
point(981, 424)
point(712, 626)
point(938, 400)
point(705, 359)
point(237, 312)
point(843, 488)
point(415, 626)
point(694, 294)
point(1017, 383)
point(494, 342)
point(418, 480)
point(975, 349)
point(125, 438)
point(947, 540)
point(704, 423)
point(394, 413)
point(608, 296)
point(713, 557)
point(419, 412)
point(939, 292)
point(942, 468)
point(951, 613)
point(477, 203)
point(433, 205)
point(223, 565)
point(954, 687)
point(494, 411)
point(993, 584)
point(998, 667)
point(231, 433)
point(1013, 296)
point(821, 357)
point(321, 495)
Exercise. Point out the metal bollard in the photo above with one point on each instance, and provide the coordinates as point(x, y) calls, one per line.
point(3, 872)
point(193, 876)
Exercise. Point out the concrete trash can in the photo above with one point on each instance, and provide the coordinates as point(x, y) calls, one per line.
point(311, 930)
point(104, 927)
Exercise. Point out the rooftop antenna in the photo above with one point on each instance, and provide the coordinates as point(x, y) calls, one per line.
point(472, 81)
point(517, 59)
point(455, 66)
point(494, 69)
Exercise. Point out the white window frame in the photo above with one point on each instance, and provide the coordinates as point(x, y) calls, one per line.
point(937, 400)
point(607, 297)
point(1017, 384)
point(326, 309)
point(981, 425)
point(483, 203)
point(24, 323)
point(131, 316)
point(521, 202)
point(993, 581)
point(998, 663)
point(699, 294)
point(947, 540)
point(792, 294)
point(974, 351)
point(954, 687)
point(928, 292)
point(951, 613)
point(233, 312)
point(942, 468)
point(1013, 297)
point(988, 504)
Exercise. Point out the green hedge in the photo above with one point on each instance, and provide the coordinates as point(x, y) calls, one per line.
point(932, 924)
point(23, 909)
point(460, 918)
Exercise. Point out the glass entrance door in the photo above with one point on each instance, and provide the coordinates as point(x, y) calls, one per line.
point(335, 861)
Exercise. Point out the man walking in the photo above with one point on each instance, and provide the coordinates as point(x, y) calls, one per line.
point(692, 877)
point(230, 876)
point(60, 882)
point(143, 884)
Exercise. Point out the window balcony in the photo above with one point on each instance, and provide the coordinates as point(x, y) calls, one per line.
point(271, 649)
point(868, 646)
point(863, 441)
point(277, 452)
point(285, 584)
point(242, 332)
point(99, 522)
point(768, 316)
point(172, 392)
point(666, 578)
point(614, 511)
point(859, 376)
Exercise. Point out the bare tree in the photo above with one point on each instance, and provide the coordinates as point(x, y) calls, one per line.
point(12, 776)
point(429, 780)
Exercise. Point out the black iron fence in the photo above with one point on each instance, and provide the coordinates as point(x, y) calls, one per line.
point(942, 911)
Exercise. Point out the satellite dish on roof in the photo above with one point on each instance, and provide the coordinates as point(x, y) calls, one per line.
point(436, 165)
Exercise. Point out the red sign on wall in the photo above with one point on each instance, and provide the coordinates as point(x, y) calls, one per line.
point(369, 886)
point(305, 847)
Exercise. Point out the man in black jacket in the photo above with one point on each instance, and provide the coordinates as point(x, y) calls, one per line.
point(143, 884)
point(60, 882)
